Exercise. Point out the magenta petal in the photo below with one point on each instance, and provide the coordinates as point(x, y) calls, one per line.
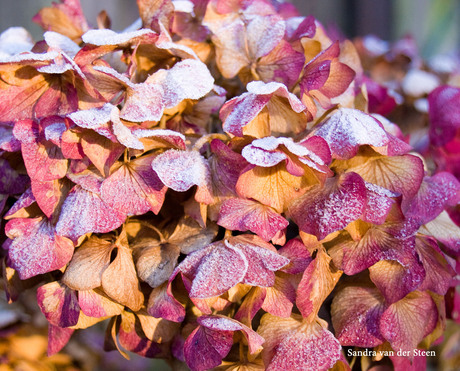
point(298, 255)
point(58, 337)
point(378, 205)
point(205, 349)
point(214, 269)
point(356, 313)
point(10, 181)
point(405, 323)
point(26, 199)
point(162, 304)
point(325, 210)
point(36, 249)
point(242, 215)
point(84, 212)
point(59, 304)
point(435, 193)
point(347, 129)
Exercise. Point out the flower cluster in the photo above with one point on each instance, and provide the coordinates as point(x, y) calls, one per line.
point(220, 182)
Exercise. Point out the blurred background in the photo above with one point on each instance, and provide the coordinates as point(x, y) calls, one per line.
point(435, 24)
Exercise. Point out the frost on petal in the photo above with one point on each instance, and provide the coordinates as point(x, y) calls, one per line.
point(181, 170)
point(83, 212)
point(378, 204)
point(8, 142)
point(395, 280)
point(36, 249)
point(435, 193)
point(155, 262)
point(266, 107)
point(96, 119)
point(214, 269)
point(444, 114)
point(144, 102)
point(262, 259)
point(322, 211)
point(138, 180)
point(298, 254)
point(291, 344)
point(438, 272)
point(400, 174)
point(405, 323)
point(242, 215)
point(318, 280)
point(208, 344)
point(85, 270)
point(43, 160)
point(188, 79)
point(347, 129)
point(356, 313)
point(19, 208)
point(264, 34)
point(59, 304)
point(119, 279)
point(123, 134)
point(108, 37)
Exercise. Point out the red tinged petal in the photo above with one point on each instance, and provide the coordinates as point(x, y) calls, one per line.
point(59, 304)
point(356, 313)
point(95, 303)
point(378, 205)
point(323, 210)
point(435, 193)
point(347, 129)
point(400, 174)
point(58, 337)
point(83, 212)
point(318, 280)
point(292, 344)
point(395, 280)
point(445, 231)
point(18, 210)
point(96, 119)
point(444, 114)
point(138, 180)
point(163, 305)
point(405, 323)
point(242, 215)
point(208, 344)
point(279, 299)
point(181, 170)
point(214, 269)
point(102, 152)
point(36, 248)
point(438, 272)
point(50, 194)
point(44, 161)
point(298, 255)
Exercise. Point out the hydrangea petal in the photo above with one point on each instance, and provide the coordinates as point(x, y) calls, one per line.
point(356, 313)
point(36, 248)
point(322, 211)
point(83, 212)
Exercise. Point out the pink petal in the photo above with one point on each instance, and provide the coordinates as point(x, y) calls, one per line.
point(58, 337)
point(36, 249)
point(379, 202)
point(325, 210)
point(347, 129)
point(356, 313)
point(138, 180)
point(298, 255)
point(162, 304)
point(83, 212)
point(59, 304)
point(242, 215)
